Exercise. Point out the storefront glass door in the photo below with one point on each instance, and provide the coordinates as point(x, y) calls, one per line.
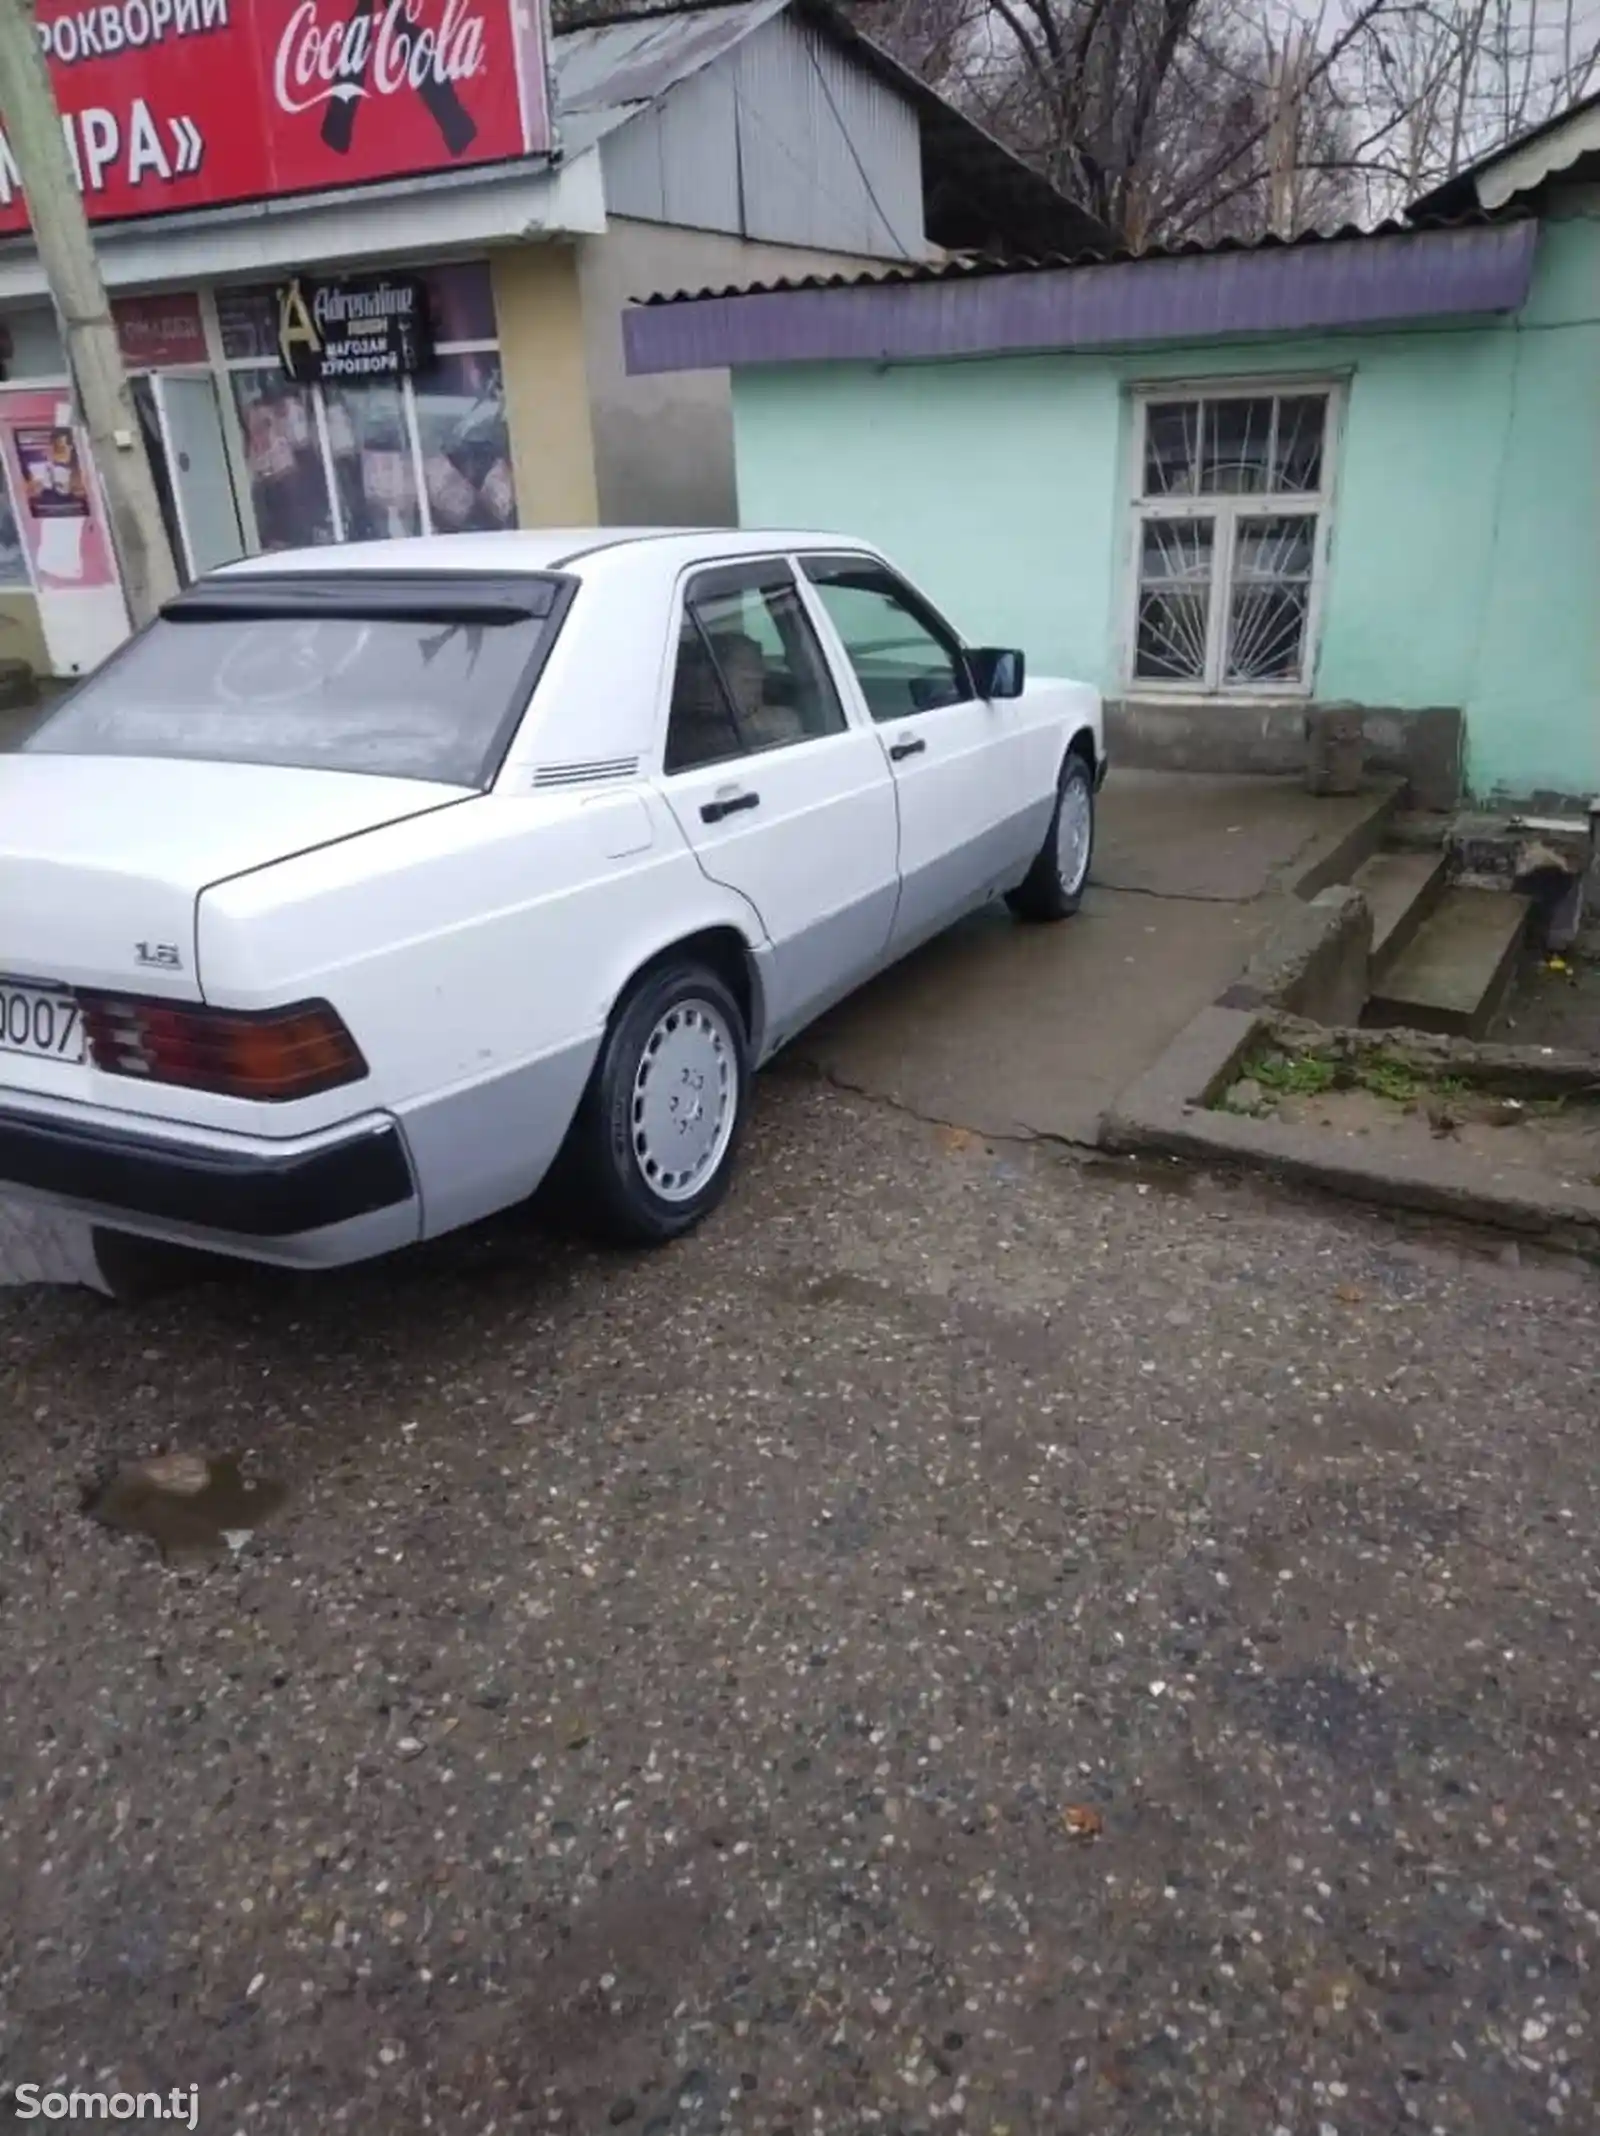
point(197, 466)
point(182, 425)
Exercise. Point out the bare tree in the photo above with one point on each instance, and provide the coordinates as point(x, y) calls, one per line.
point(1163, 117)
point(1200, 119)
point(936, 39)
point(1195, 118)
point(1442, 82)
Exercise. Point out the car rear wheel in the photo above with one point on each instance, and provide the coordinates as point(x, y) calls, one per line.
point(655, 1139)
point(1053, 887)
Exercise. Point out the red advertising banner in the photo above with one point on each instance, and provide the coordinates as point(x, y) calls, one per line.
point(171, 104)
point(160, 330)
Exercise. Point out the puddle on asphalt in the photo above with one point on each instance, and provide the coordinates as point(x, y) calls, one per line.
point(188, 1504)
point(1166, 1175)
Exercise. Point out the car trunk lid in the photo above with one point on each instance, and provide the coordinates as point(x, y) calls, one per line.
point(103, 859)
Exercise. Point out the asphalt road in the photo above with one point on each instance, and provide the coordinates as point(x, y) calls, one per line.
point(973, 1640)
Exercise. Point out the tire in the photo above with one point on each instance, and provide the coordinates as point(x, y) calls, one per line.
point(1053, 887)
point(679, 1020)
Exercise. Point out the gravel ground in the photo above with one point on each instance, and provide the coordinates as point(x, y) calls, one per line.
point(1557, 1007)
point(970, 1640)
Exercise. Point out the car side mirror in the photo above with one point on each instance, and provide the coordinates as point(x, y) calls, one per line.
point(997, 671)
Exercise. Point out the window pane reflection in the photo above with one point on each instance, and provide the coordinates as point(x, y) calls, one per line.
point(370, 444)
point(466, 450)
point(283, 456)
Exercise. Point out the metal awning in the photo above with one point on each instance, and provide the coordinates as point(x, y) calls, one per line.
point(1314, 284)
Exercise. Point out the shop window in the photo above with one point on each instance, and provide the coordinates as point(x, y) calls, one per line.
point(429, 454)
point(33, 347)
point(466, 452)
point(460, 301)
point(248, 319)
point(284, 460)
point(374, 468)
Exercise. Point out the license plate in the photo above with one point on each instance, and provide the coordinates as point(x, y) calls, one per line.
point(36, 1021)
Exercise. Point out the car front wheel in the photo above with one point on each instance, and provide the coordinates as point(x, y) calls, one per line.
point(1053, 887)
point(658, 1131)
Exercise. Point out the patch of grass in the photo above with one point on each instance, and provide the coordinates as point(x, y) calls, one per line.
point(1293, 1075)
point(1389, 1078)
point(1386, 1075)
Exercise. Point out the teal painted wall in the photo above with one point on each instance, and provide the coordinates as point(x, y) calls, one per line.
point(1465, 562)
point(1534, 701)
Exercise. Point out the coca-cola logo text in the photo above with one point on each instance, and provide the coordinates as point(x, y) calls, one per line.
point(373, 54)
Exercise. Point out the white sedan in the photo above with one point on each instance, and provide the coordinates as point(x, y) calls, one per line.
point(365, 885)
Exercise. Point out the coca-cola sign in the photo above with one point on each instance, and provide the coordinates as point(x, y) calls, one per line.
point(171, 104)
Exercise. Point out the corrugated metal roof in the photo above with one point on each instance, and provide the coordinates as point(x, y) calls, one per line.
point(1365, 280)
point(977, 193)
point(970, 269)
point(1465, 188)
point(616, 66)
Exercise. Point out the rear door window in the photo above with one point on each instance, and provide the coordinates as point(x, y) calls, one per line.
point(391, 677)
point(750, 673)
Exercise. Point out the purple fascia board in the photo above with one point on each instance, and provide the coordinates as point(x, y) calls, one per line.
point(1287, 289)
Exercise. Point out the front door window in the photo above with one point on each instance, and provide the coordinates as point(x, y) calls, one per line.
point(904, 663)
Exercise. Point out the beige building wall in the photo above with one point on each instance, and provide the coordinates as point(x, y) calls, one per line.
point(663, 447)
point(540, 318)
point(21, 637)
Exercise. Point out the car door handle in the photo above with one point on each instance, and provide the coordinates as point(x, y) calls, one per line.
point(714, 811)
point(897, 750)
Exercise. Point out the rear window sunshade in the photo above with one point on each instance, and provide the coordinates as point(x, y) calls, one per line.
point(432, 597)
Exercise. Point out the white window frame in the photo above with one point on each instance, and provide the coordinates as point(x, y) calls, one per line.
point(1226, 511)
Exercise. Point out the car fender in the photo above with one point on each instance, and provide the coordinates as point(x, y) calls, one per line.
point(726, 912)
point(1069, 714)
point(476, 955)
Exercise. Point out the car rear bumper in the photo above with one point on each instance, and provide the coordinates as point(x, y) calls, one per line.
point(247, 1190)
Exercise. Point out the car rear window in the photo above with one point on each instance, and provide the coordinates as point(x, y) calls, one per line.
point(395, 675)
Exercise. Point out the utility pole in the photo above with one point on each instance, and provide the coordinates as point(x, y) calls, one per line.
point(66, 252)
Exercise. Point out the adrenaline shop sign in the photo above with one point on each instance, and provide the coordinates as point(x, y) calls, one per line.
point(339, 330)
point(171, 104)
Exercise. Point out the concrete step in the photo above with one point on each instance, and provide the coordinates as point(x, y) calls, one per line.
point(1418, 829)
point(1455, 971)
point(1402, 889)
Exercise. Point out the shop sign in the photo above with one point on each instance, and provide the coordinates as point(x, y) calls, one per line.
point(156, 331)
point(375, 328)
point(182, 104)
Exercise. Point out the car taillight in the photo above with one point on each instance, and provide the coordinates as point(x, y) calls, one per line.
point(270, 1054)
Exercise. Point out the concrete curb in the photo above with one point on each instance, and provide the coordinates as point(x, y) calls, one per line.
point(1165, 1113)
point(1490, 1064)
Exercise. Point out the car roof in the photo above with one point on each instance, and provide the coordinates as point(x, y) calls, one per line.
point(537, 549)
